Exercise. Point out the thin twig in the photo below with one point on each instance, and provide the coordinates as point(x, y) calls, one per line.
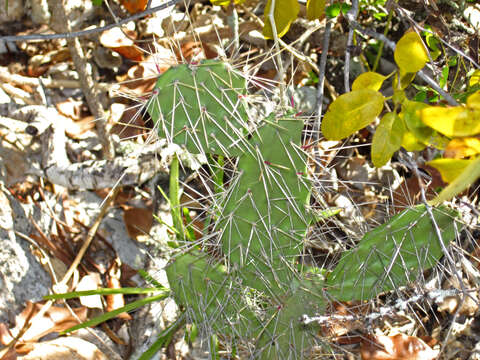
point(91, 234)
point(281, 70)
point(321, 76)
point(352, 17)
point(88, 85)
point(76, 34)
point(7, 77)
point(391, 45)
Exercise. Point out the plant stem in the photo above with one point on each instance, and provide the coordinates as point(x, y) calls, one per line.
point(382, 44)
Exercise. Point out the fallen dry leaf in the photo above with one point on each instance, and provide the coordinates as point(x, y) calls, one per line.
point(90, 282)
point(396, 347)
point(70, 348)
point(134, 6)
point(118, 41)
point(115, 301)
point(138, 221)
point(55, 319)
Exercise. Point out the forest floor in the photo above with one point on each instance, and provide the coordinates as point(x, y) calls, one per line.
point(78, 172)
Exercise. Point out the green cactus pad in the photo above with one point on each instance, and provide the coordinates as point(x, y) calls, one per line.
point(264, 219)
point(392, 255)
point(283, 335)
point(206, 292)
point(201, 107)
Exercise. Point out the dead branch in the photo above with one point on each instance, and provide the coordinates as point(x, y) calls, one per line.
point(60, 21)
point(82, 33)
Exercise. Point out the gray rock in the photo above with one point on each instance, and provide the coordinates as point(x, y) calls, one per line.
point(21, 276)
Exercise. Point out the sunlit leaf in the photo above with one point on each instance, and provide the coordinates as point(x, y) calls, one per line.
point(225, 2)
point(452, 121)
point(387, 139)
point(425, 134)
point(284, 13)
point(462, 147)
point(473, 101)
point(336, 8)
point(410, 53)
point(461, 182)
point(368, 80)
point(411, 143)
point(315, 9)
point(405, 79)
point(474, 79)
point(351, 112)
point(449, 168)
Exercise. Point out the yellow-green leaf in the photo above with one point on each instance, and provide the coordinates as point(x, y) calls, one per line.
point(452, 121)
point(473, 101)
point(474, 79)
point(402, 80)
point(468, 176)
point(284, 13)
point(411, 114)
point(225, 2)
point(315, 9)
point(368, 80)
point(387, 139)
point(411, 143)
point(410, 53)
point(351, 112)
point(449, 168)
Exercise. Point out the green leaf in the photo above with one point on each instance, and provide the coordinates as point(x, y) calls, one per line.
point(127, 290)
point(369, 80)
point(164, 339)
point(351, 112)
point(450, 169)
point(410, 53)
point(97, 2)
point(110, 315)
point(336, 8)
point(284, 13)
point(315, 9)
point(387, 139)
point(460, 184)
point(392, 255)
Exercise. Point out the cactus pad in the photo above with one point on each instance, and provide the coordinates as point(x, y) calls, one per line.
point(201, 106)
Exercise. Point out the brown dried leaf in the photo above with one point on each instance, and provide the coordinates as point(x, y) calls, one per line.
point(138, 221)
point(115, 301)
point(55, 319)
point(116, 40)
point(70, 108)
point(90, 282)
point(75, 129)
point(134, 6)
point(396, 347)
point(70, 348)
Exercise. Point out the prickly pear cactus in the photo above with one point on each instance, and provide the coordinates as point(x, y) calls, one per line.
point(255, 288)
point(392, 255)
point(264, 216)
point(201, 106)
